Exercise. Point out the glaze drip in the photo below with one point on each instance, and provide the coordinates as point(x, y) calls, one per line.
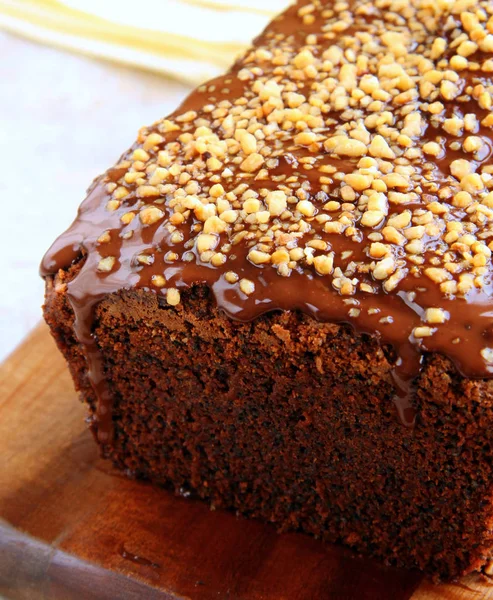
point(341, 168)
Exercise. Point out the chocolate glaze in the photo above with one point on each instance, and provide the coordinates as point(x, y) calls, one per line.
point(390, 316)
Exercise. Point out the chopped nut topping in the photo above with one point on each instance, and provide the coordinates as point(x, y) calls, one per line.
point(106, 265)
point(487, 354)
point(150, 215)
point(258, 258)
point(355, 148)
point(276, 202)
point(435, 315)
point(112, 205)
point(324, 264)
point(384, 268)
point(247, 286)
point(252, 163)
point(344, 146)
point(380, 148)
point(173, 297)
point(158, 281)
point(231, 277)
point(206, 242)
point(104, 238)
point(423, 332)
point(248, 143)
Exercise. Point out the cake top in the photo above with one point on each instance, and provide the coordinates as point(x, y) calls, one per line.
point(343, 167)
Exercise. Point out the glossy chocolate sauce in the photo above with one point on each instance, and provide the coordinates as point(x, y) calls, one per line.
point(392, 316)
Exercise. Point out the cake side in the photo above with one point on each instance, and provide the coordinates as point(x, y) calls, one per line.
point(291, 420)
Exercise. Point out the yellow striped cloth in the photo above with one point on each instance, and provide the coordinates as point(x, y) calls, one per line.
point(189, 39)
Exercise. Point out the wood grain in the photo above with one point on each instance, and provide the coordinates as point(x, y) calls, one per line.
point(73, 528)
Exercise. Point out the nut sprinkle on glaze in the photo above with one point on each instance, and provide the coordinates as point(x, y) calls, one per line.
point(343, 168)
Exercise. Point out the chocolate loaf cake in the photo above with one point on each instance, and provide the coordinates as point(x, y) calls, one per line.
point(280, 298)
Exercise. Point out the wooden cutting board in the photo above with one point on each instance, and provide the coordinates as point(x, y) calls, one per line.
point(72, 528)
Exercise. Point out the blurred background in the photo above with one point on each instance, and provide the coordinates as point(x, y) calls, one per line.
point(78, 78)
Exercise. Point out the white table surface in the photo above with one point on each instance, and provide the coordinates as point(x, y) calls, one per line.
point(63, 120)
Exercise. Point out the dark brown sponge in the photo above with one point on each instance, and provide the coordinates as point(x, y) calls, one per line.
point(293, 421)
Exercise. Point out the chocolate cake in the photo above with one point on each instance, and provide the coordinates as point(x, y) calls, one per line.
point(280, 298)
